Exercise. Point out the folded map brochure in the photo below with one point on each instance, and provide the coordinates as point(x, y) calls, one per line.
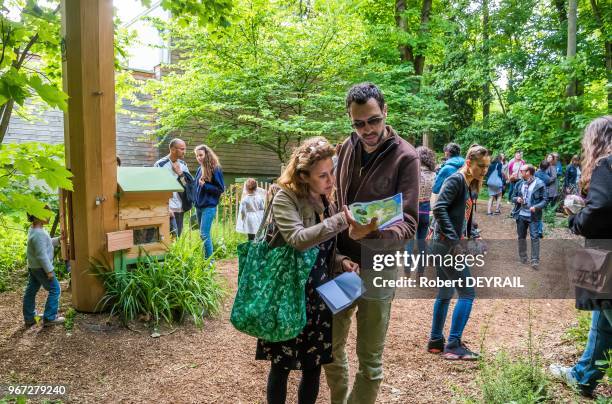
point(388, 211)
point(342, 291)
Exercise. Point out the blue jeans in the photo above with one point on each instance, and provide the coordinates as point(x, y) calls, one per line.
point(541, 228)
point(522, 224)
point(463, 308)
point(586, 372)
point(205, 218)
point(36, 278)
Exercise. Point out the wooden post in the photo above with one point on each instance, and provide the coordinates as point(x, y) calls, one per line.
point(89, 132)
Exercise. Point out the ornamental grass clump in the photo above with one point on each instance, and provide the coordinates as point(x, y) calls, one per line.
point(181, 285)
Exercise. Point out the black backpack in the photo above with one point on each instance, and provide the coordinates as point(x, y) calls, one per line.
point(187, 194)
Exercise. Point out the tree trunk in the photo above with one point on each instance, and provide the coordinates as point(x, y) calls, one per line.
point(571, 54)
point(608, 51)
point(486, 93)
point(405, 50)
point(609, 73)
point(6, 111)
point(419, 60)
point(571, 41)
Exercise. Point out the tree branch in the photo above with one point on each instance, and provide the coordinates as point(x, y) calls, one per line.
point(499, 97)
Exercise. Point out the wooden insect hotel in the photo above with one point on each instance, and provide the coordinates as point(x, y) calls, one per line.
point(144, 219)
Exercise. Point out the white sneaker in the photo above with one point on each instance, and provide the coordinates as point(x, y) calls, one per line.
point(562, 373)
point(58, 320)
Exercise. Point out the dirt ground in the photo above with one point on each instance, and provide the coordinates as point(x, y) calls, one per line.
point(102, 362)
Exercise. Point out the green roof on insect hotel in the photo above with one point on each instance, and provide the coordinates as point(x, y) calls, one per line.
point(146, 179)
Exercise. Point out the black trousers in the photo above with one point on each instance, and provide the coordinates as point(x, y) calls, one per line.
point(307, 391)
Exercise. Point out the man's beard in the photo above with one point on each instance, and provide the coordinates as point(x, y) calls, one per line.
point(379, 138)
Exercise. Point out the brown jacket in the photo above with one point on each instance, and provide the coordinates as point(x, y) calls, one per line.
point(295, 221)
point(394, 169)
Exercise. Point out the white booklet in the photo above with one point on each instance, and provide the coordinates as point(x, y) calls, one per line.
point(388, 211)
point(342, 291)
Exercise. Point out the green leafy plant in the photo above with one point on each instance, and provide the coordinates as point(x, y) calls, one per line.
point(506, 379)
point(549, 215)
point(13, 239)
point(69, 323)
point(579, 333)
point(606, 366)
point(29, 183)
point(226, 239)
point(512, 380)
point(181, 285)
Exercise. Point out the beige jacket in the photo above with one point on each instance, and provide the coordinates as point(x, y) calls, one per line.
point(296, 224)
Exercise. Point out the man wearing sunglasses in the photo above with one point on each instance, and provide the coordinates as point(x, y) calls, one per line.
point(374, 163)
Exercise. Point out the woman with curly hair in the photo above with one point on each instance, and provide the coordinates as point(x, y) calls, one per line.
point(304, 217)
point(594, 222)
point(208, 188)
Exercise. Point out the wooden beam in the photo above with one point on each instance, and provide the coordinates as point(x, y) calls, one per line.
point(89, 131)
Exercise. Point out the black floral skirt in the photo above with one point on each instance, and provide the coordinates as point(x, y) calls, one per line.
point(313, 346)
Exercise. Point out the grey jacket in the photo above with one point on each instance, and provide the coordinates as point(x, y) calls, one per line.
point(295, 221)
point(39, 251)
point(551, 189)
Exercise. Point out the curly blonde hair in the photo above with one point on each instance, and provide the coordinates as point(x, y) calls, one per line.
point(211, 161)
point(596, 146)
point(301, 161)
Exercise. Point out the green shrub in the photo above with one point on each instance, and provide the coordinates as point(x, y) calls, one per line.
point(606, 365)
point(503, 379)
point(513, 380)
point(181, 285)
point(13, 239)
point(226, 239)
point(224, 235)
point(549, 214)
point(69, 323)
point(578, 334)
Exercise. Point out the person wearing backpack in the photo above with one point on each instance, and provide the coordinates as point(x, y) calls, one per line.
point(495, 182)
point(180, 202)
point(594, 222)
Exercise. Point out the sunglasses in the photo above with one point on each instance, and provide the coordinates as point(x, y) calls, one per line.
point(372, 122)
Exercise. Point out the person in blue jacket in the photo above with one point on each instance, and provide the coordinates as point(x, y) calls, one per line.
point(208, 188)
point(453, 163)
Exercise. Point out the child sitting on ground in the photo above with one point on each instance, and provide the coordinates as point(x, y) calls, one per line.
point(251, 209)
point(41, 273)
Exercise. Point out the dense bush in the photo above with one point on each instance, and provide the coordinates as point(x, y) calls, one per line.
point(13, 239)
point(179, 286)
